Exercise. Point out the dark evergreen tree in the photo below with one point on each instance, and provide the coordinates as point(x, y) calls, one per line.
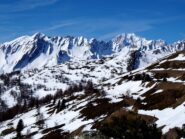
point(37, 103)
point(63, 104)
point(24, 107)
point(20, 127)
point(58, 106)
point(164, 79)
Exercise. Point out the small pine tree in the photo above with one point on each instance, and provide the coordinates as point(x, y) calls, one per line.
point(40, 120)
point(58, 106)
point(63, 105)
point(20, 127)
point(24, 105)
point(37, 103)
point(138, 100)
point(164, 79)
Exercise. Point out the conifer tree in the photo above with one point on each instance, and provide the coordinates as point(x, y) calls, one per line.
point(20, 127)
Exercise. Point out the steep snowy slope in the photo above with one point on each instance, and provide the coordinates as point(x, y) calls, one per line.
point(160, 89)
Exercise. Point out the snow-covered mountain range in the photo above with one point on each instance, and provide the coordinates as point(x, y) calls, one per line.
point(39, 50)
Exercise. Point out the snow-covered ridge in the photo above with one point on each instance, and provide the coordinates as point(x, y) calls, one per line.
point(39, 50)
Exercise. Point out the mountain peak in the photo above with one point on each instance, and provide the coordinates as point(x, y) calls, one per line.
point(38, 35)
point(127, 35)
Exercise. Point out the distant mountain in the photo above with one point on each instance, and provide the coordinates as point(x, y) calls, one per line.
point(39, 50)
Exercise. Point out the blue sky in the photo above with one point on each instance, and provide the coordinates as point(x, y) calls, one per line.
point(102, 19)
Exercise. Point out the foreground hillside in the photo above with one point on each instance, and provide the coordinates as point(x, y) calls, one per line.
point(61, 102)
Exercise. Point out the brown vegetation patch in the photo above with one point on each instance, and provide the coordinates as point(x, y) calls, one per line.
point(104, 107)
point(7, 131)
point(56, 134)
point(172, 95)
point(130, 115)
point(172, 64)
point(160, 74)
point(174, 133)
point(128, 124)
